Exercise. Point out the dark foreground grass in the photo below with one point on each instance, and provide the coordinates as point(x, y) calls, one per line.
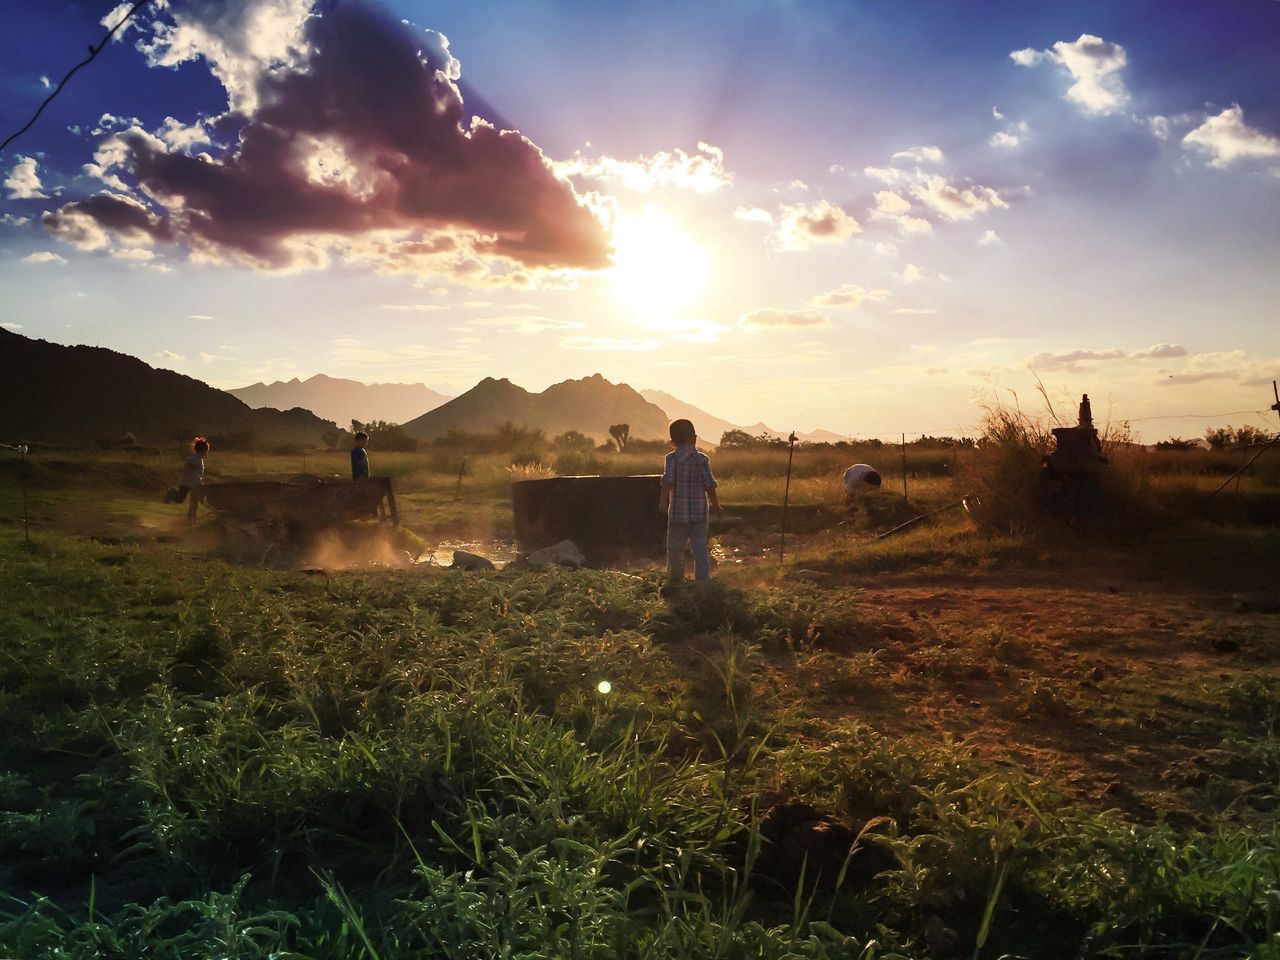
point(207, 760)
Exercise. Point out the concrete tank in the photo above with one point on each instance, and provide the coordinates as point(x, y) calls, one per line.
point(604, 516)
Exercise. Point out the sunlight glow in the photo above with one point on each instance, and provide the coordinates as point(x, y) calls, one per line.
point(657, 266)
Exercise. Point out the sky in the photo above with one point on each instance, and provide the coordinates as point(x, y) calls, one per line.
point(870, 217)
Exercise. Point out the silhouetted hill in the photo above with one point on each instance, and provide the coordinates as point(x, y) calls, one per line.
point(344, 400)
point(590, 405)
point(51, 392)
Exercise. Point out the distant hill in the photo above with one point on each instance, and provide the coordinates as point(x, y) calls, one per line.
point(55, 393)
point(710, 428)
point(344, 400)
point(590, 405)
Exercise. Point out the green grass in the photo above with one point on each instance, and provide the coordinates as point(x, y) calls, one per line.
point(206, 759)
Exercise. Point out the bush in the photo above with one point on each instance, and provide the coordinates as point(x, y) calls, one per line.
point(577, 463)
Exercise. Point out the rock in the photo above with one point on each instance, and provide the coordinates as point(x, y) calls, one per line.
point(1225, 644)
point(1096, 674)
point(562, 554)
point(471, 561)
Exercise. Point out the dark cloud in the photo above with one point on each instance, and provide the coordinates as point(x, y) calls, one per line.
point(367, 138)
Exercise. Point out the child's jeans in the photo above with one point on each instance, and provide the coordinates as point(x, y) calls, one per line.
point(694, 532)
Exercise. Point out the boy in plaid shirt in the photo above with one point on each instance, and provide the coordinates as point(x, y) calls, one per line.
point(687, 489)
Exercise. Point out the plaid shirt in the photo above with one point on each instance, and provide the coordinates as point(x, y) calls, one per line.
point(688, 473)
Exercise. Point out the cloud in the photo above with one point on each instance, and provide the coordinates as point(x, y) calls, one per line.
point(1231, 366)
point(802, 226)
point(892, 206)
point(203, 316)
point(415, 307)
point(529, 325)
point(43, 256)
point(353, 144)
point(609, 344)
point(10, 220)
point(11, 326)
point(702, 172)
point(687, 329)
point(1226, 138)
point(889, 175)
point(848, 296)
point(1159, 127)
point(752, 215)
point(1093, 63)
point(912, 274)
point(136, 254)
point(920, 155)
point(1069, 360)
point(913, 311)
point(23, 181)
point(990, 239)
point(168, 356)
point(954, 203)
point(770, 319)
point(1004, 139)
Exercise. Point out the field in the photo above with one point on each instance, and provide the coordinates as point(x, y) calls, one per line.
point(1014, 739)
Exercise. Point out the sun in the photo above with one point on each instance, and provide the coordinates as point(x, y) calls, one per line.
point(657, 266)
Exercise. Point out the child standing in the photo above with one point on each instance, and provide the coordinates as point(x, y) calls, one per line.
point(359, 457)
point(192, 474)
point(688, 488)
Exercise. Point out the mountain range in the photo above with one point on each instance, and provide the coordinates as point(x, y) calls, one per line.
point(590, 405)
point(81, 394)
point(55, 393)
point(344, 400)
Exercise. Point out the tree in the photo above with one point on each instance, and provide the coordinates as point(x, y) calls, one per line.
point(1177, 443)
point(385, 436)
point(621, 433)
point(573, 440)
point(1219, 437)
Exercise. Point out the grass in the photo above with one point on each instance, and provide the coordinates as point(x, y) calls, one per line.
point(1052, 743)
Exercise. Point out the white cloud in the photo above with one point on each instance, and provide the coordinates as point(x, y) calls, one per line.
point(1159, 127)
point(529, 325)
point(990, 239)
point(687, 329)
point(23, 181)
point(135, 254)
point(752, 215)
point(10, 220)
point(1226, 138)
point(767, 319)
point(701, 172)
point(43, 256)
point(11, 326)
point(609, 344)
point(913, 312)
point(1230, 366)
point(1004, 139)
point(1070, 359)
point(889, 175)
point(803, 226)
point(912, 273)
point(1093, 63)
point(952, 202)
point(894, 207)
point(920, 155)
point(415, 307)
point(848, 295)
point(204, 316)
point(168, 356)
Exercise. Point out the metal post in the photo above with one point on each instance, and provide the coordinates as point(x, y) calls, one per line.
point(457, 491)
point(786, 496)
point(22, 479)
point(904, 466)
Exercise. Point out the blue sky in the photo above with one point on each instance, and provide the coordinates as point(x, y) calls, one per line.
point(869, 217)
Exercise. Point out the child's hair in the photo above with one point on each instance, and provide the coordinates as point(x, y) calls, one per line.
point(200, 445)
point(682, 431)
point(362, 435)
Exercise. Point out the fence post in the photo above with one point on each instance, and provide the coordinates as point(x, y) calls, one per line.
point(904, 466)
